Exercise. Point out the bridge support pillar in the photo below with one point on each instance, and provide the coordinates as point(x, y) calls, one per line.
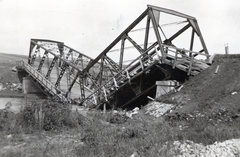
point(164, 87)
point(29, 87)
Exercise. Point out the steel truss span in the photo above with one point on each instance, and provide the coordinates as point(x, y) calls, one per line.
point(161, 44)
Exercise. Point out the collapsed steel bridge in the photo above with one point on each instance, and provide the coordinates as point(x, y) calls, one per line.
point(161, 44)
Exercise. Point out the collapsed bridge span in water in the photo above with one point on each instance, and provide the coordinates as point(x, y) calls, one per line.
point(161, 44)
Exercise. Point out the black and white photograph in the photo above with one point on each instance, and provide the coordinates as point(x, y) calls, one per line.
point(129, 78)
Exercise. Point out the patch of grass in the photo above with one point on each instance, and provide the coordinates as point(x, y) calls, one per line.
point(47, 116)
point(7, 120)
point(109, 134)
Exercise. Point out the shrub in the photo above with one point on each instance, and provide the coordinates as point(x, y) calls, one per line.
point(7, 120)
point(48, 116)
point(117, 118)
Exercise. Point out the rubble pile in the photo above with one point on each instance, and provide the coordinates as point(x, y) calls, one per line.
point(158, 109)
point(229, 148)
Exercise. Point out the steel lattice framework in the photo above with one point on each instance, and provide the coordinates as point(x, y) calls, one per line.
point(125, 64)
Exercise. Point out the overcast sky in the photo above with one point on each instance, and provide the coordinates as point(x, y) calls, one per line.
point(91, 25)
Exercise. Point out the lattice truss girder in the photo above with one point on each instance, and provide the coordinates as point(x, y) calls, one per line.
point(155, 36)
point(60, 64)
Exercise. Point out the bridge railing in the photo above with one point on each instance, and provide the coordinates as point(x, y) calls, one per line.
point(48, 86)
point(179, 55)
point(139, 65)
point(134, 69)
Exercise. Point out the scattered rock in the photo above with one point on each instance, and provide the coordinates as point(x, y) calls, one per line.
point(8, 105)
point(133, 112)
point(9, 137)
point(135, 154)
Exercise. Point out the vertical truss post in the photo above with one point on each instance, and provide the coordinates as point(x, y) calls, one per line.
point(42, 61)
point(51, 67)
point(192, 40)
point(34, 55)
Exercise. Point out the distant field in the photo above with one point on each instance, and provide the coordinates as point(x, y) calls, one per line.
point(11, 58)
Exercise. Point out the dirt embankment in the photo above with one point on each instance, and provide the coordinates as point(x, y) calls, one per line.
point(216, 87)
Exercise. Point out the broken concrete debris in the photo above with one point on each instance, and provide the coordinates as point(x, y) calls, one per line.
point(179, 88)
point(229, 148)
point(14, 69)
point(158, 109)
point(135, 154)
point(133, 112)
